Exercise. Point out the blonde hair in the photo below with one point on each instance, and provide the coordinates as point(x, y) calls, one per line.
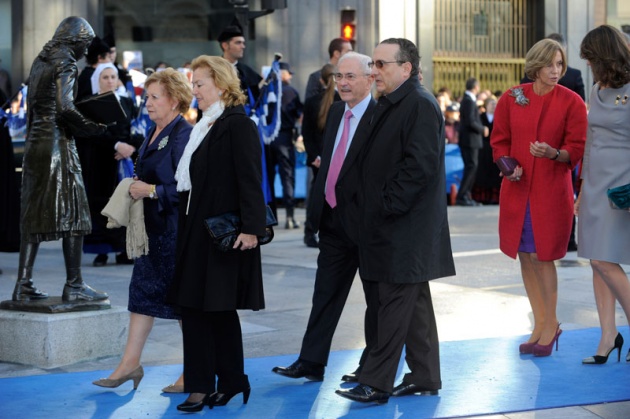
point(541, 55)
point(327, 75)
point(224, 76)
point(176, 86)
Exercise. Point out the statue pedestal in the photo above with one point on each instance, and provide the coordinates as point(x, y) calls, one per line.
point(35, 337)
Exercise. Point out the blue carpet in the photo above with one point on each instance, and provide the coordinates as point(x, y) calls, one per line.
point(479, 377)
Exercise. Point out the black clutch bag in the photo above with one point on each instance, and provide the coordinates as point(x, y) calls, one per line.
point(507, 165)
point(225, 228)
point(619, 197)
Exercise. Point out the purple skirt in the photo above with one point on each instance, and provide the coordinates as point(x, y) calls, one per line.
point(527, 244)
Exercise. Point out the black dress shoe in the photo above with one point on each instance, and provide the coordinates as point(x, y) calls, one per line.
point(405, 389)
point(100, 260)
point(353, 377)
point(365, 394)
point(464, 203)
point(299, 369)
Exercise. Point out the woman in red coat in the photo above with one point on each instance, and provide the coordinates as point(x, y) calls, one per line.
point(543, 126)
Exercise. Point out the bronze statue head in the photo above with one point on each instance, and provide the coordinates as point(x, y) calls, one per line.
point(75, 32)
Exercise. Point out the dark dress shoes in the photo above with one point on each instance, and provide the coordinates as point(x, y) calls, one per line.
point(405, 389)
point(353, 377)
point(299, 369)
point(467, 202)
point(100, 260)
point(365, 394)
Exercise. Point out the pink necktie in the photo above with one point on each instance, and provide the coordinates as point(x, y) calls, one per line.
point(337, 161)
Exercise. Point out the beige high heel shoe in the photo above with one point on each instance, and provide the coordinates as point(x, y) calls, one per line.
point(135, 375)
point(173, 388)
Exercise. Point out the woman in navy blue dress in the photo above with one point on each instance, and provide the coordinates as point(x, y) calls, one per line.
point(169, 95)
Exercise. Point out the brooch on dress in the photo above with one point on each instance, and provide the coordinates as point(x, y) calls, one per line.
point(163, 143)
point(517, 92)
point(623, 102)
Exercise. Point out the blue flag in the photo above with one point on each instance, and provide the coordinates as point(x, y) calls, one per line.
point(266, 114)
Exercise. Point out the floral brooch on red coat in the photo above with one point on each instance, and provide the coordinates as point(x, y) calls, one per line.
point(517, 93)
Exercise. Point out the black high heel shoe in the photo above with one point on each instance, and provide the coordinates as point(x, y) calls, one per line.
point(601, 359)
point(221, 399)
point(196, 406)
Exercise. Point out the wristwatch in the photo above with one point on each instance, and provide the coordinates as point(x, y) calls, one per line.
point(152, 193)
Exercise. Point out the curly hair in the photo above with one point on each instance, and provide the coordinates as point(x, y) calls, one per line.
point(176, 86)
point(541, 55)
point(607, 51)
point(224, 76)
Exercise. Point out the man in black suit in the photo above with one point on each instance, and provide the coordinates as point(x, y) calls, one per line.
point(333, 210)
point(404, 239)
point(336, 49)
point(471, 133)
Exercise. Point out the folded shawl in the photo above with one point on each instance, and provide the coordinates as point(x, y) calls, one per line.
point(124, 211)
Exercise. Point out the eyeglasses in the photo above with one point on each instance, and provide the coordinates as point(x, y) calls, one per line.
point(380, 63)
point(348, 76)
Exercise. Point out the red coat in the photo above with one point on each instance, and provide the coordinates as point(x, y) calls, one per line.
point(559, 119)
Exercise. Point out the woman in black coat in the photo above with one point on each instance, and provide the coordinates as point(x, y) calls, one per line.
point(100, 159)
point(219, 172)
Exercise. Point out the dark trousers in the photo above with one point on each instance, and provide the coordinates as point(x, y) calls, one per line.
point(405, 318)
point(308, 228)
point(283, 153)
point(213, 348)
point(471, 162)
point(337, 266)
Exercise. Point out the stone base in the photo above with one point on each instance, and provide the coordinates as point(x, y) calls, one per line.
point(55, 305)
point(55, 340)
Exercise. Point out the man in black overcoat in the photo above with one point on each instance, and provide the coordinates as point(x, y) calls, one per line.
point(337, 222)
point(404, 237)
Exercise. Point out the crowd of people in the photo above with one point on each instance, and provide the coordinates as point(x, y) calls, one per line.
point(376, 139)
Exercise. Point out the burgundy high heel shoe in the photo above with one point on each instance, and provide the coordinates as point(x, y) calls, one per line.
point(527, 348)
point(545, 350)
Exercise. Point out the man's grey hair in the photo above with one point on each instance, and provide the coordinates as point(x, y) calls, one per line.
point(363, 60)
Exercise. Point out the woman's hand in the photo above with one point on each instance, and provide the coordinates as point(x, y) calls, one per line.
point(245, 241)
point(124, 150)
point(515, 176)
point(139, 190)
point(538, 149)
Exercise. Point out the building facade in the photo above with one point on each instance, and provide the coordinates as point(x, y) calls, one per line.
point(457, 39)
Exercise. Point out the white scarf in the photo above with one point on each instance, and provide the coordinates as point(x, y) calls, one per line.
point(199, 132)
